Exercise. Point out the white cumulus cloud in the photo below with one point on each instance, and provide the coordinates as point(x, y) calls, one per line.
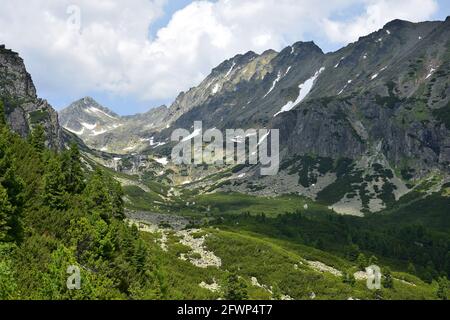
point(377, 14)
point(112, 53)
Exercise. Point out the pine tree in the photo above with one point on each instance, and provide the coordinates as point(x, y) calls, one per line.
point(6, 211)
point(430, 272)
point(388, 282)
point(353, 252)
point(348, 278)
point(140, 256)
point(117, 194)
point(54, 194)
point(38, 139)
point(276, 292)
point(361, 261)
point(97, 197)
point(73, 172)
point(442, 291)
point(2, 115)
point(447, 264)
point(411, 268)
point(103, 195)
point(235, 288)
point(12, 187)
point(8, 284)
point(373, 261)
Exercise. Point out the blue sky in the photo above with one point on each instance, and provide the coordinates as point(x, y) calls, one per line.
point(137, 54)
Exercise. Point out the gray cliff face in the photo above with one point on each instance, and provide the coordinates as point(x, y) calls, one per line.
point(24, 110)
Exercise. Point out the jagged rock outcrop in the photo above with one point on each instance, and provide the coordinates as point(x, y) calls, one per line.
point(24, 110)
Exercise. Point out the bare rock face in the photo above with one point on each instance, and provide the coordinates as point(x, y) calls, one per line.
point(24, 110)
point(390, 88)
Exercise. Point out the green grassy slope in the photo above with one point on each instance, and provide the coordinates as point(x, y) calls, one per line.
point(278, 267)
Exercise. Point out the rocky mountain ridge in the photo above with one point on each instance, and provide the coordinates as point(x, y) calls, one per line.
point(359, 127)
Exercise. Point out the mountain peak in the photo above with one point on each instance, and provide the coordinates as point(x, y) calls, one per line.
point(86, 102)
point(307, 45)
point(89, 100)
point(89, 104)
point(397, 23)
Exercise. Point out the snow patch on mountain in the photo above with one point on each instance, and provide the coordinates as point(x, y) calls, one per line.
point(274, 84)
point(376, 74)
point(192, 135)
point(231, 69)
point(97, 133)
point(162, 161)
point(430, 73)
point(215, 89)
point(345, 87)
point(287, 71)
point(98, 111)
point(339, 62)
point(305, 89)
point(89, 126)
point(78, 133)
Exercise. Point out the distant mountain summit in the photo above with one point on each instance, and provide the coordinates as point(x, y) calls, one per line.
point(102, 129)
point(87, 118)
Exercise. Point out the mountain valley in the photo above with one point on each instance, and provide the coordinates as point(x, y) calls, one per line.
point(363, 180)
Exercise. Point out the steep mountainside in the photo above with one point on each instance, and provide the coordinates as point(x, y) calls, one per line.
point(24, 110)
point(359, 128)
point(389, 89)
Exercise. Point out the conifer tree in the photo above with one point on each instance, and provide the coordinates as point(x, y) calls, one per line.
point(447, 264)
point(38, 139)
point(73, 172)
point(388, 280)
point(2, 114)
point(140, 256)
point(276, 292)
point(54, 194)
point(235, 288)
point(411, 268)
point(373, 261)
point(361, 261)
point(6, 211)
point(97, 196)
point(117, 194)
point(12, 188)
point(348, 278)
point(442, 291)
point(104, 195)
